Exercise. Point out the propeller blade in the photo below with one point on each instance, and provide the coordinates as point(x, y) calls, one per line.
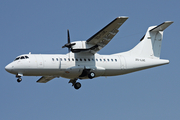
point(69, 44)
point(68, 36)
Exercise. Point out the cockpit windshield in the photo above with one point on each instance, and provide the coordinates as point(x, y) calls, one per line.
point(21, 57)
point(17, 58)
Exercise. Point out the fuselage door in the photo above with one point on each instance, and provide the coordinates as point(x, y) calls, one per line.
point(123, 62)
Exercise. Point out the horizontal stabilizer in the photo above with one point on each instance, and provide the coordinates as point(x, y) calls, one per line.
point(162, 26)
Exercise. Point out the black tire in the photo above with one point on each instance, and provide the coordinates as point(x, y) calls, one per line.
point(77, 85)
point(91, 75)
point(19, 80)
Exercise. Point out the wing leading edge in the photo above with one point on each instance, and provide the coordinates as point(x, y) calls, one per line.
point(104, 36)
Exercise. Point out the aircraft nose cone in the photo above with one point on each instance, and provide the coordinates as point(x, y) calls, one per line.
point(8, 68)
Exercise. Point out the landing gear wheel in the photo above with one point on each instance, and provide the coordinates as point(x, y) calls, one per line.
point(91, 75)
point(19, 80)
point(77, 85)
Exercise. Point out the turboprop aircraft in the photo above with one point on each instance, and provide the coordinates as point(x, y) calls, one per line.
point(83, 62)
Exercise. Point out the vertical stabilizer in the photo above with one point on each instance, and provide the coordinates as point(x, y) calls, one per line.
point(150, 45)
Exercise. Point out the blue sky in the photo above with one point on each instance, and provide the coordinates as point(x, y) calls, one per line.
point(39, 26)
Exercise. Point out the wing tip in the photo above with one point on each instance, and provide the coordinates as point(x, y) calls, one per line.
point(123, 17)
point(170, 22)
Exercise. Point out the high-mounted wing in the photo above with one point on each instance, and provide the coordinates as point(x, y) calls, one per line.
point(45, 79)
point(104, 36)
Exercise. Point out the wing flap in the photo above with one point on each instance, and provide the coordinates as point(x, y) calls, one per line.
point(45, 79)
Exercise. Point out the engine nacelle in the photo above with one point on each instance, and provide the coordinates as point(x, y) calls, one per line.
point(81, 46)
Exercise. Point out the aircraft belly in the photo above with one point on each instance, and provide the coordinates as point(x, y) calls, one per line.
point(41, 72)
point(72, 72)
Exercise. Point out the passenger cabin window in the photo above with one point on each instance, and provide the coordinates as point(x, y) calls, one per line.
point(76, 59)
point(64, 59)
point(111, 59)
point(96, 59)
point(72, 59)
point(52, 59)
point(57, 59)
point(116, 60)
point(68, 59)
point(60, 59)
point(108, 60)
point(84, 59)
point(88, 59)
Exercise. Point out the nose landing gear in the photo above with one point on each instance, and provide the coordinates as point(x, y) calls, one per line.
point(19, 77)
point(19, 80)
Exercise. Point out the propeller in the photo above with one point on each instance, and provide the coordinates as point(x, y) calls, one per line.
point(69, 44)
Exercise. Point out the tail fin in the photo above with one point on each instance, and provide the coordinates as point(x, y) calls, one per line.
point(150, 45)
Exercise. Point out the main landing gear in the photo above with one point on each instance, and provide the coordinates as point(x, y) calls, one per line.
point(77, 85)
point(91, 75)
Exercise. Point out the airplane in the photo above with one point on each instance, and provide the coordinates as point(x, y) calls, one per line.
point(83, 62)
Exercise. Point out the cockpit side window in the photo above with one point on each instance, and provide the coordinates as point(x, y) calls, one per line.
point(26, 57)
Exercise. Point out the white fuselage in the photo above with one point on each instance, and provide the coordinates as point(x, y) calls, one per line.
point(72, 65)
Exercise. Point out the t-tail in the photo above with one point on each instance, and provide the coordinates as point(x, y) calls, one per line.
point(150, 45)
